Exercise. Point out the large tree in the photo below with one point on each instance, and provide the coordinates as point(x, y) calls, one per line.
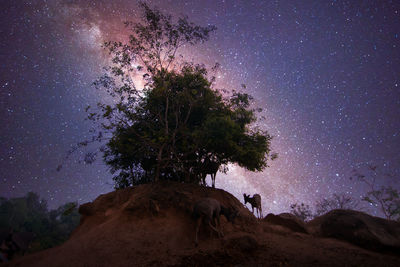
point(169, 129)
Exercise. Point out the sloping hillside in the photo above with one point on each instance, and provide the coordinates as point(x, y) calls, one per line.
point(151, 225)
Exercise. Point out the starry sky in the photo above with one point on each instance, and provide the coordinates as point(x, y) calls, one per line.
point(326, 73)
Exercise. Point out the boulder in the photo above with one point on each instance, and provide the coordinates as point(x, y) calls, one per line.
point(358, 228)
point(287, 220)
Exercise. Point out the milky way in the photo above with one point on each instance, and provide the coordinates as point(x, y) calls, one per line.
point(326, 73)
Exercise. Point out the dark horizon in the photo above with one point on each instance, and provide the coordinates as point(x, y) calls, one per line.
point(325, 73)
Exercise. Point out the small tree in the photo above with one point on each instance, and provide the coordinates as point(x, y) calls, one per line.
point(385, 198)
point(301, 211)
point(166, 130)
point(337, 201)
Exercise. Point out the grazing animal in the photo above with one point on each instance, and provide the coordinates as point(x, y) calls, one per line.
point(208, 210)
point(255, 202)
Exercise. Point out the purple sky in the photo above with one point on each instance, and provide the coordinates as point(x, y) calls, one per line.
point(326, 73)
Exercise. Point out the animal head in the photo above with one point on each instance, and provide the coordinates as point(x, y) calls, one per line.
point(229, 213)
point(246, 198)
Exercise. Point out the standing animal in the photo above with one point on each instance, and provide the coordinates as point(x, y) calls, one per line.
point(255, 202)
point(212, 171)
point(208, 211)
point(209, 167)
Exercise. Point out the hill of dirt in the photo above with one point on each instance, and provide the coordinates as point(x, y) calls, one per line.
point(152, 225)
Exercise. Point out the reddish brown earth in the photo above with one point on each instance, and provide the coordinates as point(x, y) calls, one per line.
point(151, 225)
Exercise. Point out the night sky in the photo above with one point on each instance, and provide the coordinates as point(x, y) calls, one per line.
point(326, 73)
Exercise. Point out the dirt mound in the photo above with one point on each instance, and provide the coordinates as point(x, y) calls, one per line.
point(147, 224)
point(359, 228)
point(152, 225)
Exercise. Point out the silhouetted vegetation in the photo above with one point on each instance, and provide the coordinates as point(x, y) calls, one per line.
point(324, 205)
point(385, 198)
point(336, 201)
point(301, 211)
point(176, 123)
point(30, 214)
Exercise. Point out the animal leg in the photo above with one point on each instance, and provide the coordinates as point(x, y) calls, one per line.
point(212, 227)
point(213, 179)
point(203, 180)
point(221, 234)
point(212, 222)
point(197, 230)
point(215, 224)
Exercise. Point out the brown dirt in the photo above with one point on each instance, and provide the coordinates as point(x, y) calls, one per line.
point(151, 225)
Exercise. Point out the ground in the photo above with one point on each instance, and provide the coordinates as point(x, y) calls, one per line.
point(152, 225)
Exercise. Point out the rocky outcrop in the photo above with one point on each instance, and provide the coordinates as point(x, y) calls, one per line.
point(358, 228)
point(287, 220)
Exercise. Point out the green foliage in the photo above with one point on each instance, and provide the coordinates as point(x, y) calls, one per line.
point(176, 128)
point(171, 127)
point(30, 214)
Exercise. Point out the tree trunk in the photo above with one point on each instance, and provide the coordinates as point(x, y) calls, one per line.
point(158, 169)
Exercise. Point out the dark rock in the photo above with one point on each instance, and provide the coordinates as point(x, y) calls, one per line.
point(358, 228)
point(287, 220)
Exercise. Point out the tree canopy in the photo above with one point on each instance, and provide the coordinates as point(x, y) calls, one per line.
point(170, 128)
